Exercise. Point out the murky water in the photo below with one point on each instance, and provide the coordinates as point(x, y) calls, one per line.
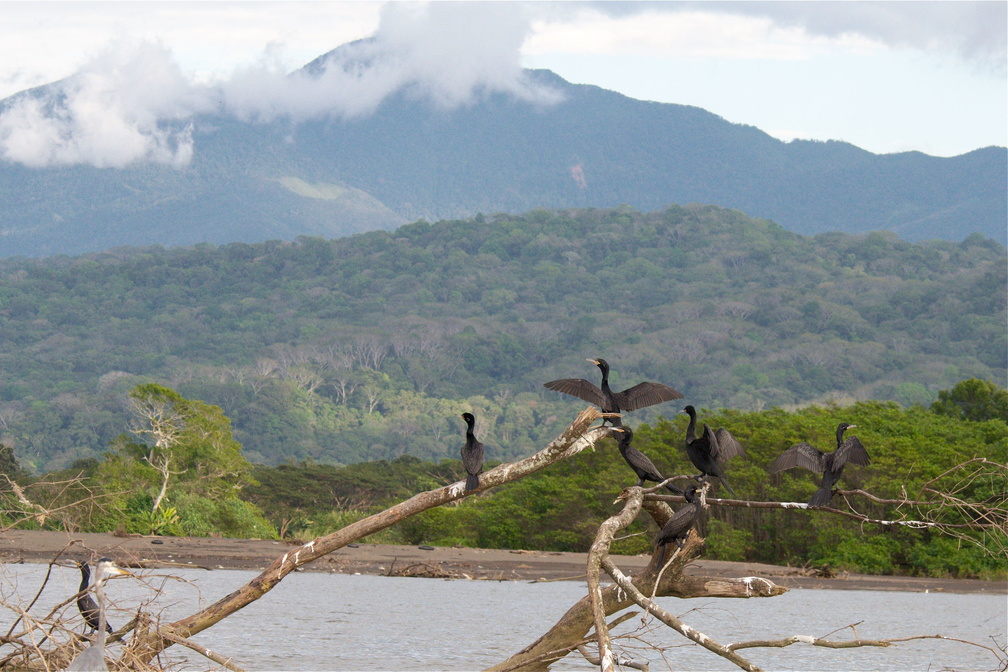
point(316, 621)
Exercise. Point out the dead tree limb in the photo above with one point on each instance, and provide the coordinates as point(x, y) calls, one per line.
point(573, 440)
point(860, 517)
point(223, 661)
point(674, 622)
point(599, 552)
point(574, 625)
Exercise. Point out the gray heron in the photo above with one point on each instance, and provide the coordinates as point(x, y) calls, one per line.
point(92, 659)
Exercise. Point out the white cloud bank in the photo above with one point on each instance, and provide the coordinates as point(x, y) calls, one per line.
point(446, 53)
point(133, 104)
point(111, 113)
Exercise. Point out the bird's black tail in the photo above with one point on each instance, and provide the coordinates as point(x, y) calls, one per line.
point(673, 489)
point(821, 497)
point(727, 487)
point(661, 555)
point(472, 482)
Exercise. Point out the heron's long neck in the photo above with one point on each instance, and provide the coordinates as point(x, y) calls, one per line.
point(100, 596)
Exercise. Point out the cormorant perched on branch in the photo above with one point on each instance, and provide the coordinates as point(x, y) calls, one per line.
point(472, 454)
point(639, 396)
point(87, 606)
point(709, 450)
point(678, 526)
point(638, 461)
point(829, 465)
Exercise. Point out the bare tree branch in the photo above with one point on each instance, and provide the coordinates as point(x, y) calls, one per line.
point(674, 622)
point(573, 626)
point(573, 440)
point(226, 663)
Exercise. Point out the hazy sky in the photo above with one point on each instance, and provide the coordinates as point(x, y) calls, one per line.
point(885, 76)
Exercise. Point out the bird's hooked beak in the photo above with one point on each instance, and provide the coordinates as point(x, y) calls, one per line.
point(593, 361)
point(851, 426)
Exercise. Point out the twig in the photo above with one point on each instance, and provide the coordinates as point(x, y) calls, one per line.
point(853, 643)
point(673, 622)
point(803, 506)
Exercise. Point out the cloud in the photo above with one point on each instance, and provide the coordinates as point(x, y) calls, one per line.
point(135, 104)
point(679, 33)
point(972, 31)
point(128, 104)
point(444, 52)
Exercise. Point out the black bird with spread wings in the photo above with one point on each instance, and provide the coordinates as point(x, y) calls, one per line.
point(830, 465)
point(472, 454)
point(639, 396)
point(638, 461)
point(709, 450)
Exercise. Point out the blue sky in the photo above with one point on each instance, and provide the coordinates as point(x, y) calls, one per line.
point(886, 76)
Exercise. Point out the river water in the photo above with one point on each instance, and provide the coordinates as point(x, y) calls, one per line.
point(320, 621)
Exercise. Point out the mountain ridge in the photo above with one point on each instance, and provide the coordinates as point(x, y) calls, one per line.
point(594, 148)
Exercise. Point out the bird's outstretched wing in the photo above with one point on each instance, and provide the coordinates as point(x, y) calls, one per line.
point(577, 387)
point(799, 455)
point(851, 451)
point(724, 446)
point(645, 394)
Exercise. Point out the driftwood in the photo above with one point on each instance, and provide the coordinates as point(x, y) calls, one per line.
point(590, 611)
point(572, 441)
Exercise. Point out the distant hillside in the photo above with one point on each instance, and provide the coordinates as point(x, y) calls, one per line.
point(251, 182)
point(371, 346)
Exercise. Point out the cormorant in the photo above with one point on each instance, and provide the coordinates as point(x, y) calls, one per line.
point(472, 454)
point(639, 396)
point(87, 606)
point(638, 461)
point(829, 465)
point(678, 526)
point(92, 659)
point(709, 450)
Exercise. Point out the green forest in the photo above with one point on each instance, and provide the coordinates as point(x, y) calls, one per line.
point(335, 352)
point(180, 472)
